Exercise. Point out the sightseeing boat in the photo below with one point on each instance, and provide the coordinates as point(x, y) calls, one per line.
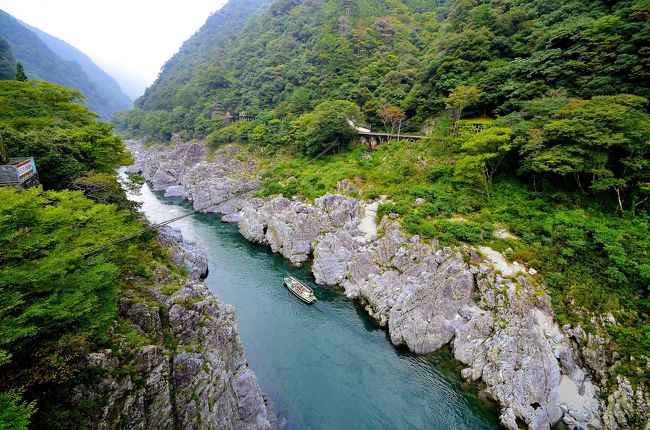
point(300, 290)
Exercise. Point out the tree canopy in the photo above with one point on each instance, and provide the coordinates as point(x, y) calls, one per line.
point(328, 126)
point(424, 57)
point(57, 304)
point(603, 144)
point(20, 72)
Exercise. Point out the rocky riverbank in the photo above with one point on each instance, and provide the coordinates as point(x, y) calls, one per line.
point(496, 315)
point(192, 374)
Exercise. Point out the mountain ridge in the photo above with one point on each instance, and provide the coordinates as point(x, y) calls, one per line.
point(105, 82)
point(202, 45)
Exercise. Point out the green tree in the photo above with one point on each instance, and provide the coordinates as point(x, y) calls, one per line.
point(392, 115)
point(43, 121)
point(326, 127)
point(460, 98)
point(4, 155)
point(14, 412)
point(482, 155)
point(56, 305)
point(603, 143)
point(20, 72)
point(48, 287)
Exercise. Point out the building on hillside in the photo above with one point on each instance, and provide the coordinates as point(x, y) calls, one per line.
point(243, 116)
point(19, 173)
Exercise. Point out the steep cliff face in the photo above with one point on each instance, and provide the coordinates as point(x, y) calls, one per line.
point(193, 375)
point(496, 315)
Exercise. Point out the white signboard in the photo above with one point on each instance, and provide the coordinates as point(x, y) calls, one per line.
point(26, 169)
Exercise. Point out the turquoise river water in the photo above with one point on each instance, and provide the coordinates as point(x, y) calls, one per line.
point(325, 366)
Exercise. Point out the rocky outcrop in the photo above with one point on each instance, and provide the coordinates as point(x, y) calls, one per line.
point(493, 313)
point(213, 385)
point(222, 185)
point(501, 328)
point(192, 375)
point(293, 228)
point(627, 407)
point(185, 252)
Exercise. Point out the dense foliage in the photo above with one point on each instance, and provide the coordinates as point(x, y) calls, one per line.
point(56, 303)
point(603, 144)
point(326, 127)
point(49, 59)
point(406, 53)
point(537, 111)
point(523, 49)
point(49, 288)
point(193, 63)
point(21, 76)
point(15, 413)
point(44, 121)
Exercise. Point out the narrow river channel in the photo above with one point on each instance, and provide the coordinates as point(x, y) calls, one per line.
point(325, 366)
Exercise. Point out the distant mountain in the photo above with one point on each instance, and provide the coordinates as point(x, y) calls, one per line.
point(7, 61)
point(105, 83)
point(50, 59)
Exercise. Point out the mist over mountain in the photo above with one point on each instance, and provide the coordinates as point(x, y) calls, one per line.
point(106, 84)
point(50, 59)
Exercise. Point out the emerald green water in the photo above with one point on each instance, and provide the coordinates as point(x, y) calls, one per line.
point(325, 366)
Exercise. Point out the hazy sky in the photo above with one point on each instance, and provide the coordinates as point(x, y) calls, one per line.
point(130, 39)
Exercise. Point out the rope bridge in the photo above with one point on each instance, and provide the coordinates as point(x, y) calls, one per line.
point(178, 218)
point(156, 226)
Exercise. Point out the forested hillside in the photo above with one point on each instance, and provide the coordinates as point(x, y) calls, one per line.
point(193, 67)
point(406, 53)
point(7, 61)
point(558, 90)
point(62, 65)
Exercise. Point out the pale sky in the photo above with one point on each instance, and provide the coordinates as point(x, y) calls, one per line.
point(129, 39)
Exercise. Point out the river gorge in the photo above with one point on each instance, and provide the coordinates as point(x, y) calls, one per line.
point(326, 366)
point(492, 316)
